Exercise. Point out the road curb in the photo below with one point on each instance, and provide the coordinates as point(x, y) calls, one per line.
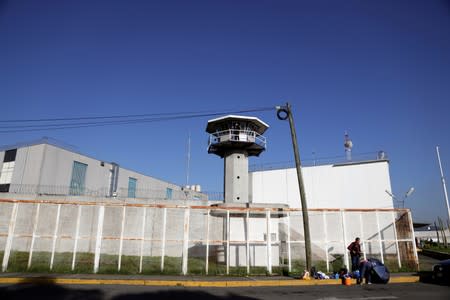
point(189, 283)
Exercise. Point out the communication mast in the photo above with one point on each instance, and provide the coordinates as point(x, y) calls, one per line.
point(348, 144)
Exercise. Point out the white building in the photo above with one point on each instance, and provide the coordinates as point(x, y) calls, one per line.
point(47, 168)
point(331, 189)
point(361, 185)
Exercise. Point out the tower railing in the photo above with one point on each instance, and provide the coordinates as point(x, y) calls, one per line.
point(237, 135)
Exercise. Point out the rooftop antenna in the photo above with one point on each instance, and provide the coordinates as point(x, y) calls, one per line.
point(348, 144)
point(409, 192)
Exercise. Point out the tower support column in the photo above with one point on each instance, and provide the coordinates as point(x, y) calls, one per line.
point(236, 177)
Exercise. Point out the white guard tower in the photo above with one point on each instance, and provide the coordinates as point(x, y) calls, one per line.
point(235, 138)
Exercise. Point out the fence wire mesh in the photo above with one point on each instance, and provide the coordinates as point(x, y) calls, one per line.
point(131, 238)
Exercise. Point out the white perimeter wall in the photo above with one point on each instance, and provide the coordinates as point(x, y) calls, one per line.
point(346, 186)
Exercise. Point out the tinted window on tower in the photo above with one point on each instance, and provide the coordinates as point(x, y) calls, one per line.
point(10, 155)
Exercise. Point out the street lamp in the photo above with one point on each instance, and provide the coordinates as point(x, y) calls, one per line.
point(402, 201)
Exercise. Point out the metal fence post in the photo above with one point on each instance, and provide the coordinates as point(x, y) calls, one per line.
point(77, 233)
point(396, 241)
point(380, 242)
point(144, 217)
point(186, 241)
point(98, 243)
point(289, 241)
point(55, 236)
point(361, 228)
point(325, 236)
point(163, 242)
point(33, 236)
point(247, 242)
point(207, 243)
point(344, 228)
point(413, 240)
point(268, 243)
point(122, 229)
point(228, 242)
point(9, 239)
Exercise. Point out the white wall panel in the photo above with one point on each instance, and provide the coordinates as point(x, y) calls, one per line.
point(28, 165)
point(346, 186)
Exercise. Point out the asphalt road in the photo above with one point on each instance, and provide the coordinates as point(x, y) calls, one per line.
point(426, 263)
point(422, 291)
point(417, 291)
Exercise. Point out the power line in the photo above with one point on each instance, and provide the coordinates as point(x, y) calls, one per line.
point(134, 115)
point(93, 124)
point(90, 118)
point(120, 120)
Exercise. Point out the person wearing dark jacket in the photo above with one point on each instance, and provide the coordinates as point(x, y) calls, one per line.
point(355, 253)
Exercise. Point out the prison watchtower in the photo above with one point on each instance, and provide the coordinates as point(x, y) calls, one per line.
point(235, 138)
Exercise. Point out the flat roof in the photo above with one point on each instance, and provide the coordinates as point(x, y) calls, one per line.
point(263, 126)
point(362, 162)
point(291, 165)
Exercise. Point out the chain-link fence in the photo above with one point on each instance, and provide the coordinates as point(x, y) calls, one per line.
point(121, 193)
point(108, 237)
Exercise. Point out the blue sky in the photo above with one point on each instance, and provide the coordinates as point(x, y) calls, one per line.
point(379, 69)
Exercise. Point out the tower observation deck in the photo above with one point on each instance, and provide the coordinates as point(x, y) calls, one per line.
point(235, 138)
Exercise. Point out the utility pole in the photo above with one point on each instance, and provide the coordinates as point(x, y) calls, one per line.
point(443, 181)
point(283, 113)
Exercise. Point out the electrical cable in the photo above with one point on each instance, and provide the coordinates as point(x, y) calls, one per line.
point(123, 120)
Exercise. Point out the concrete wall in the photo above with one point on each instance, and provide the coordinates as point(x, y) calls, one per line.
point(331, 233)
point(236, 178)
point(330, 186)
point(257, 229)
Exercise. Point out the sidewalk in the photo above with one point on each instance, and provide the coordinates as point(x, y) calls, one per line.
point(186, 281)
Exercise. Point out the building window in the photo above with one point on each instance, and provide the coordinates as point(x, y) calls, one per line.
point(7, 170)
point(77, 184)
point(10, 155)
point(4, 188)
point(132, 182)
point(169, 193)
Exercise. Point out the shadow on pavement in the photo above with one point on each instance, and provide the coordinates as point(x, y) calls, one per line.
point(45, 288)
point(184, 294)
point(427, 277)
